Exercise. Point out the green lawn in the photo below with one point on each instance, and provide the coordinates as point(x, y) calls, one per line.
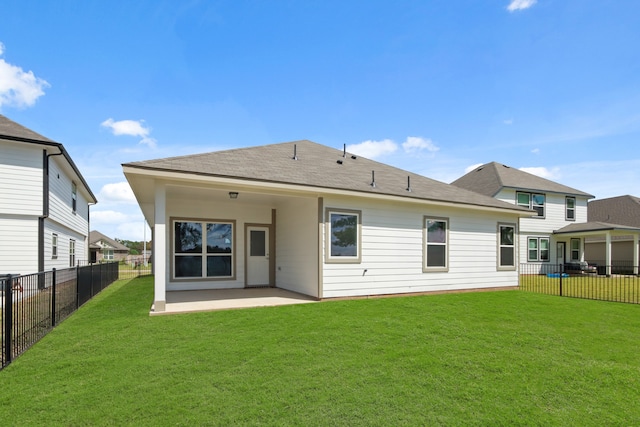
point(493, 358)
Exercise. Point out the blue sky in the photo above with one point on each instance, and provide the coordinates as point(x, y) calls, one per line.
point(435, 87)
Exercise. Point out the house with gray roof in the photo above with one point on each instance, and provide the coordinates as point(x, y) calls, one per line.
point(44, 203)
point(318, 221)
point(625, 212)
point(106, 249)
point(557, 233)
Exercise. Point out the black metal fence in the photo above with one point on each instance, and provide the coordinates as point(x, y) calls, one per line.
point(589, 280)
point(34, 304)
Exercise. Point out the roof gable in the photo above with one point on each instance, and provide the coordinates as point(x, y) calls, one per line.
point(96, 236)
point(310, 164)
point(490, 178)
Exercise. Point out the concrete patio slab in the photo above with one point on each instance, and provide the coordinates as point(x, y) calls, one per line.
point(228, 299)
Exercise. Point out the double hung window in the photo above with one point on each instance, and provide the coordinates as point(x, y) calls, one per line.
point(54, 245)
point(570, 208)
point(436, 241)
point(538, 249)
point(532, 201)
point(203, 249)
point(575, 249)
point(72, 253)
point(506, 246)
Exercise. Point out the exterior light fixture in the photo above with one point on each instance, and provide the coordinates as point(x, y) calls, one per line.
point(233, 194)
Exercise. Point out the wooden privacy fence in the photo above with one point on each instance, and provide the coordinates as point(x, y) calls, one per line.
point(34, 304)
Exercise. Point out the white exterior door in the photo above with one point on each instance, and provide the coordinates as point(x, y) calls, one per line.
point(257, 256)
point(560, 248)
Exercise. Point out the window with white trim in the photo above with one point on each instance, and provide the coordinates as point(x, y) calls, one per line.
point(343, 236)
point(506, 246)
point(575, 249)
point(54, 245)
point(538, 249)
point(108, 255)
point(74, 196)
point(203, 249)
point(570, 203)
point(533, 201)
point(436, 241)
point(72, 253)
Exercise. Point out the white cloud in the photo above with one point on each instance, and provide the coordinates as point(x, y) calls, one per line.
point(19, 88)
point(107, 217)
point(520, 5)
point(508, 121)
point(413, 144)
point(536, 151)
point(543, 172)
point(119, 192)
point(131, 128)
point(372, 149)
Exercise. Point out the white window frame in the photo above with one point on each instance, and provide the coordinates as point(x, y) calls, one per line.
point(74, 197)
point(72, 253)
point(531, 204)
point(574, 251)
point(569, 209)
point(54, 245)
point(426, 243)
point(108, 255)
point(330, 257)
point(538, 249)
point(203, 250)
point(502, 246)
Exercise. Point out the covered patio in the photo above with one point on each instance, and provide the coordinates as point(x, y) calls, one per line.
point(229, 299)
point(601, 232)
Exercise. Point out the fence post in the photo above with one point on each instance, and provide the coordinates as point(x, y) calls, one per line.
point(561, 274)
point(53, 296)
point(7, 312)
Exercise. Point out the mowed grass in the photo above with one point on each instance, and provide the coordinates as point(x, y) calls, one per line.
point(616, 288)
point(502, 358)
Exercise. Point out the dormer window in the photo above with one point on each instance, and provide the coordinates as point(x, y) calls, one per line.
point(533, 201)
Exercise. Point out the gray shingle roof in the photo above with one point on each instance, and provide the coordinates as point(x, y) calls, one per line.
point(96, 236)
point(11, 129)
point(620, 210)
point(317, 166)
point(582, 227)
point(490, 178)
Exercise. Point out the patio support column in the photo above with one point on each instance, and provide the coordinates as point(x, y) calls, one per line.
point(607, 252)
point(159, 248)
point(635, 254)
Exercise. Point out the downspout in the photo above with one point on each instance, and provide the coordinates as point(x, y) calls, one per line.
point(45, 206)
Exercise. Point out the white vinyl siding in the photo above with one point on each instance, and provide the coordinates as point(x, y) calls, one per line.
point(18, 245)
point(297, 255)
point(392, 251)
point(20, 179)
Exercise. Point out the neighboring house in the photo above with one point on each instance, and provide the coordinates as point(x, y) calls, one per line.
point(556, 233)
point(622, 210)
point(44, 203)
point(106, 249)
point(318, 221)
